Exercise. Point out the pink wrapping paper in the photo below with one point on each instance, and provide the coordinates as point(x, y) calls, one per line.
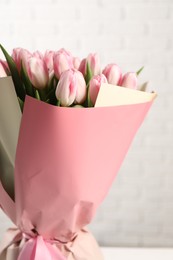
point(66, 161)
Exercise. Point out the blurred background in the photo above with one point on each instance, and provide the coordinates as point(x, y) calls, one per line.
point(138, 211)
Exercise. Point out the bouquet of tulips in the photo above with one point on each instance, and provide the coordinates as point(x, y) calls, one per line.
point(59, 78)
point(65, 128)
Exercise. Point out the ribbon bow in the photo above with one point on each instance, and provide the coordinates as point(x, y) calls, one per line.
point(34, 248)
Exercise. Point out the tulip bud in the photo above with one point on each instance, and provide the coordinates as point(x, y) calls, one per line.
point(93, 62)
point(62, 60)
point(76, 62)
point(20, 56)
point(129, 80)
point(94, 86)
point(82, 67)
point(2, 69)
point(38, 54)
point(113, 74)
point(71, 88)
point(48, 59)
point(37, 72)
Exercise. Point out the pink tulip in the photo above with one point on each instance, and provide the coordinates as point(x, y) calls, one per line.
point(71, 88)
point(62, 60)
point(37, 72)
point(16, 57)
point(38, 54)
point(20, 56)
point(129, 80)
point(93, 61)
point(94, 86)
point(113, 74)
point(2, 69)
point(76, 62)
point(82, 67)
point(48, 58)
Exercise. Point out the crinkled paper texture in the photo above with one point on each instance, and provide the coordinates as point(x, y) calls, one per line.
point(83, 247)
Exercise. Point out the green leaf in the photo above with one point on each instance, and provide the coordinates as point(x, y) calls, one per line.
point(90, 104)
point(15, 75)
point(89, 74)
point(58, 103)
point(52, 82)
point(139, 71)
point(43, 93)
point(51, 97)
point(21, 103)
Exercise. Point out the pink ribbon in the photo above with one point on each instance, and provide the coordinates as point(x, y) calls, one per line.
point(37, 248)
point(34, 248)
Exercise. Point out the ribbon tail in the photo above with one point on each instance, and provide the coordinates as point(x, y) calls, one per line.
point(38, 249)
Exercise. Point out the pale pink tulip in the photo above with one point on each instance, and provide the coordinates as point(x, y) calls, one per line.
point(82, 67)
point(37, 72)
point(48, 58)
point(93, 61)
point(94, 86)
point(129, 80)
point(71, 88)
point(113, 74)
point(62, 60)
point(2, 69)
point(20, 57)
point(38, 54)
point(76, 62)
point(16, 57)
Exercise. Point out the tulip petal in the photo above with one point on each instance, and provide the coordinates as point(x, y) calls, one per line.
point(15, 75)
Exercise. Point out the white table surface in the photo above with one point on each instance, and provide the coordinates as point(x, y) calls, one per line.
point(137, 253)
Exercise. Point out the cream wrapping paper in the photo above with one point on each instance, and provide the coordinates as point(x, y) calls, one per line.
point(10, 117)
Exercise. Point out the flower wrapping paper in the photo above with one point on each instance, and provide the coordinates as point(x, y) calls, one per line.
point(65, 162)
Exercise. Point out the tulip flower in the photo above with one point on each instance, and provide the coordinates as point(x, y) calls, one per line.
point(94, 86)
point(93, 62)
point(37, 72)
point(37, 54)
point(20, 56)
point(2, 69)
point(76, 62)
point(62, 61)
point(113, 74)
point(48, 58)
point(82, 67)
point(71, 88)
point(16, 57)
point(129, 80)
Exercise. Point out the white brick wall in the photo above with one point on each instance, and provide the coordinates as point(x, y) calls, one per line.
point(138, 210)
